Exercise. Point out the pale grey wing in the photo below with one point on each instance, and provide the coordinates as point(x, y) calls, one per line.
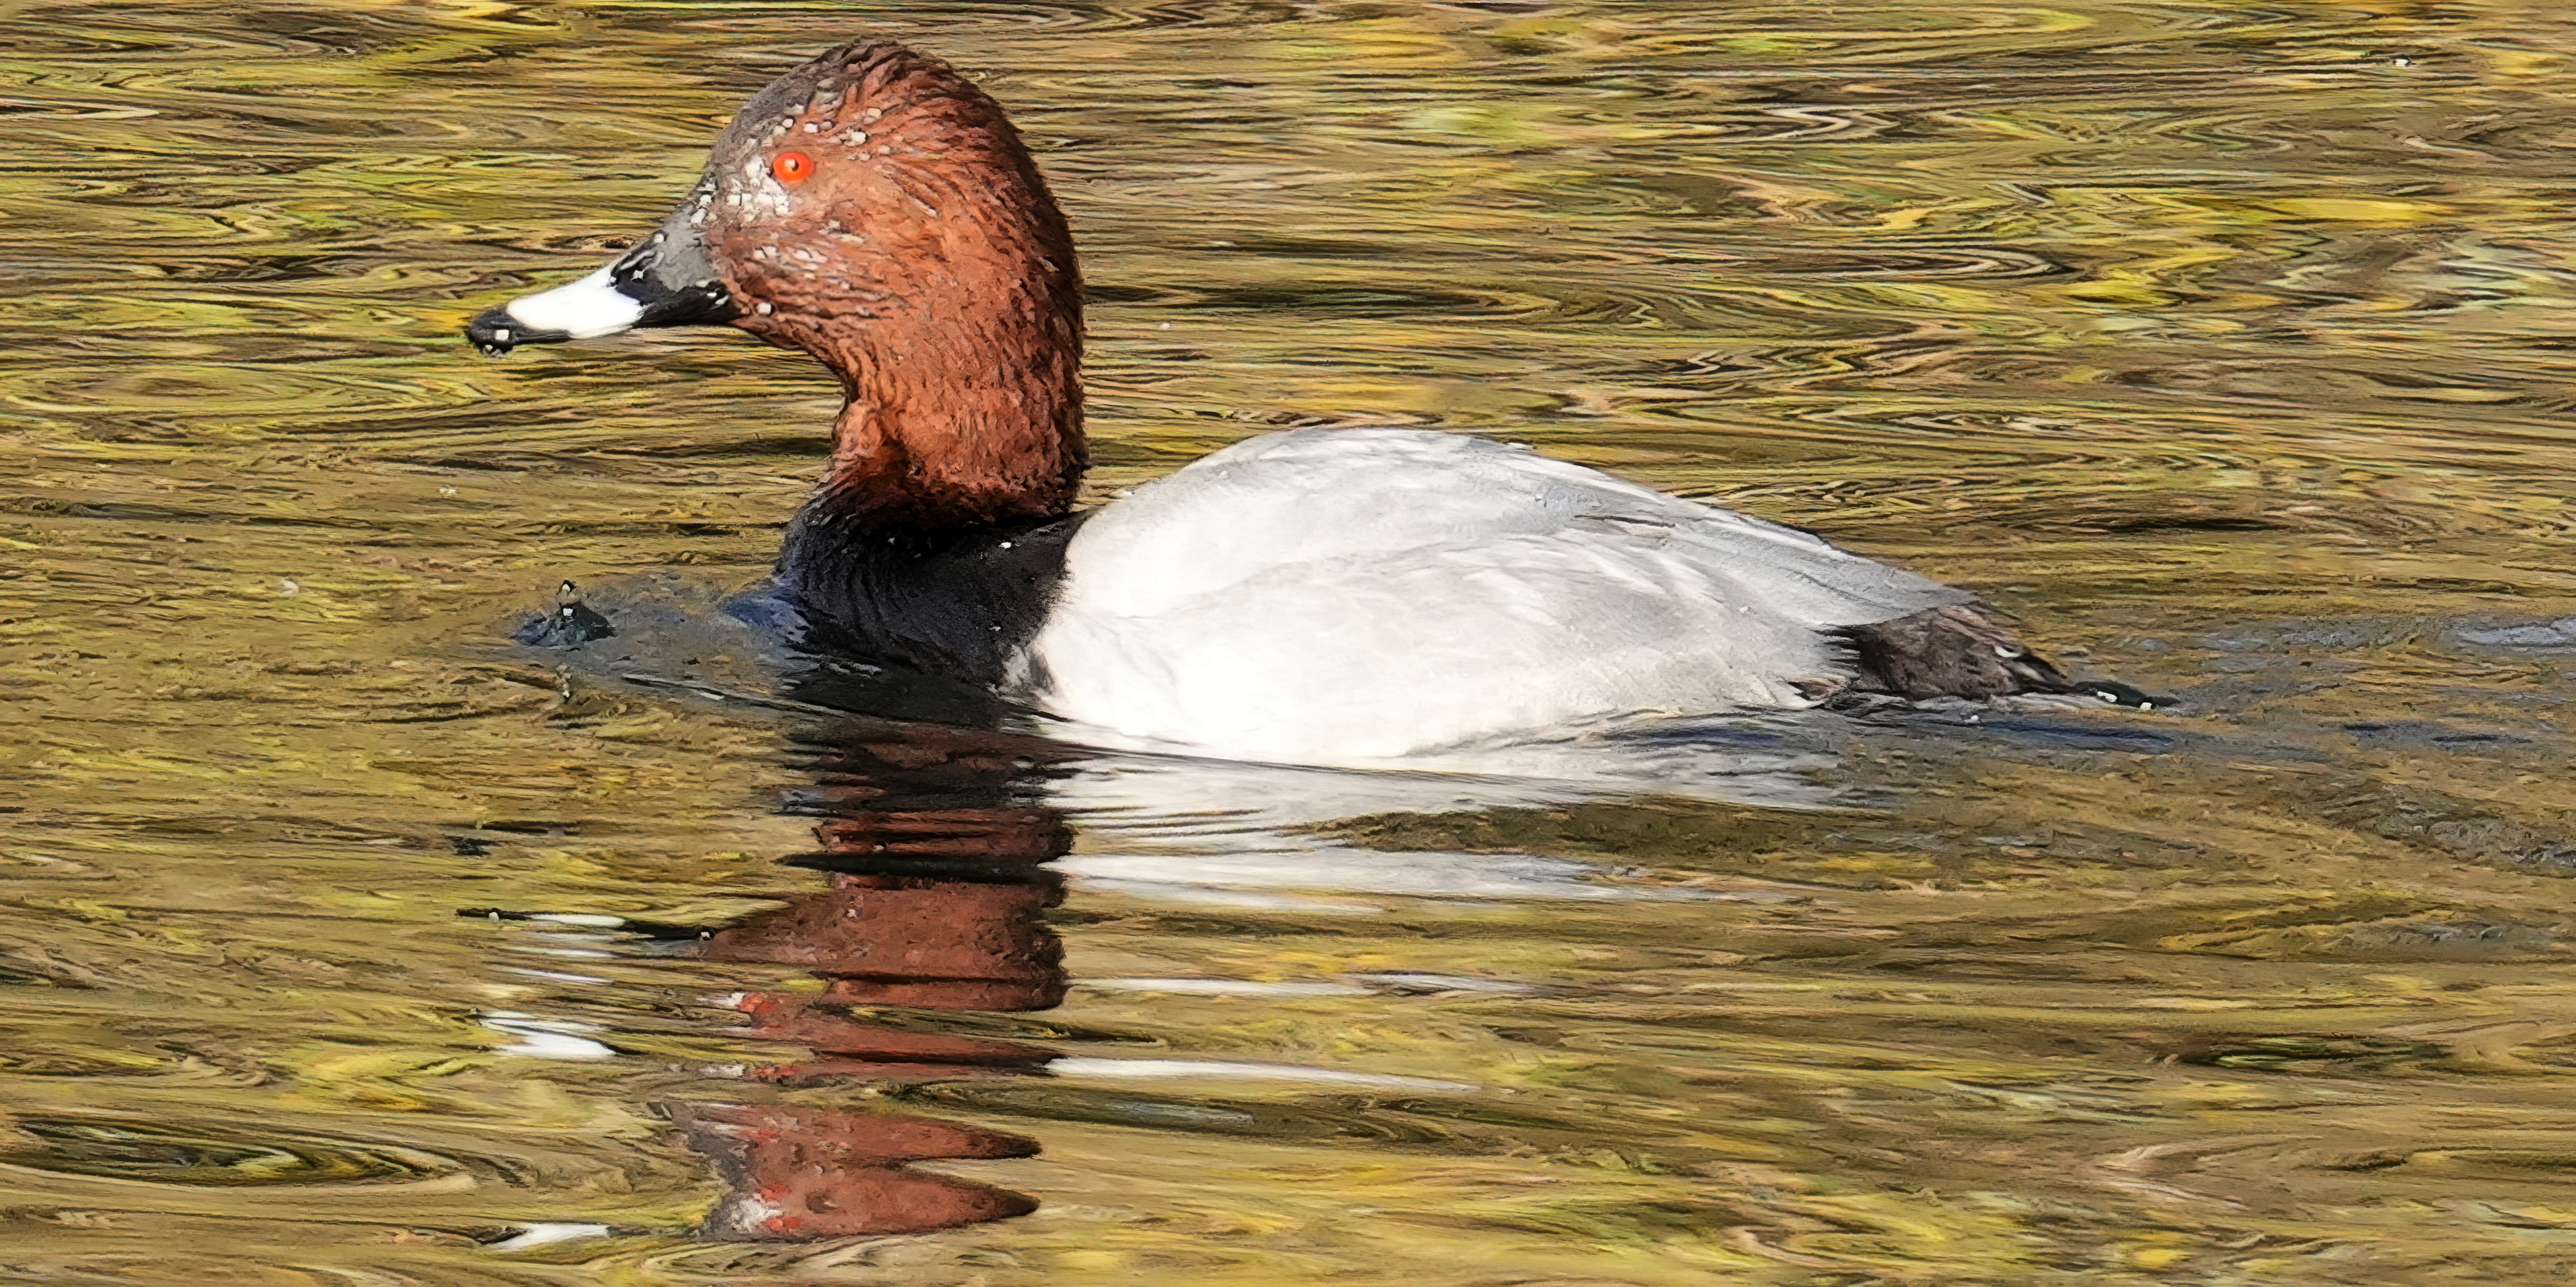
point(1341, 595)
point(1305, 496)
point(1804, 578)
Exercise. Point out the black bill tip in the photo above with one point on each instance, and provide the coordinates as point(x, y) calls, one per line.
point(496, 333)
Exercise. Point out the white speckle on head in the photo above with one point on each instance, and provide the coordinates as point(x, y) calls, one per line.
point(582, 309)
point(748, 1211)
point(813, 128)
point(871, 114)
point(764, 308)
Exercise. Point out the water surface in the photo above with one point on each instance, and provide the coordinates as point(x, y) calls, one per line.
point(2225, 345)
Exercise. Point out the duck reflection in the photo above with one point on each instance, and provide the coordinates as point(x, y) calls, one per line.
point(939, 848)
point(935, 850)
point(943, 838)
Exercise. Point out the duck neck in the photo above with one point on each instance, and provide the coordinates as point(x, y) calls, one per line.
point(918, 548)
point(975, 425)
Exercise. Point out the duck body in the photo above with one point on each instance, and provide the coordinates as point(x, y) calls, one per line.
point(1317, 595)
point(1376, 592)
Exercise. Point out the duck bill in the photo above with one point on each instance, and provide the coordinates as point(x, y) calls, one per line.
point(668, 279)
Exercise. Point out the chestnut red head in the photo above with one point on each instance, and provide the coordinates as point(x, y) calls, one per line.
point(877, 210)
point(871, 182)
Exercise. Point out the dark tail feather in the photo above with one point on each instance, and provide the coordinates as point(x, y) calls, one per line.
point(1954, 651)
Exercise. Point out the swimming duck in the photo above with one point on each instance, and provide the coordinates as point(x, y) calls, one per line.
point(1312, 595)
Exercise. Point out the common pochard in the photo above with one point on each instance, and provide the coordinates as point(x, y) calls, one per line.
point(1311, 595)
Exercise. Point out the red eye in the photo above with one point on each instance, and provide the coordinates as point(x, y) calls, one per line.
point(792, 167)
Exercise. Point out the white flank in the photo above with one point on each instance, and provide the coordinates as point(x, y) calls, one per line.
point(1355, 596)
point(583, 309)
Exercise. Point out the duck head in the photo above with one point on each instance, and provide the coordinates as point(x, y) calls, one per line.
point(874, 209)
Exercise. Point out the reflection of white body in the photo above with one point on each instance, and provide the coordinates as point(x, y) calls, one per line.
point(1344, 596)
point(1769, 760)
point(1257, 835)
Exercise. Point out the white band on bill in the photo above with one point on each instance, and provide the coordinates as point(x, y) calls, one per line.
point(590, 307)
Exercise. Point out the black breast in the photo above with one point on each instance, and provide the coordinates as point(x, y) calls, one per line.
point(955, 603)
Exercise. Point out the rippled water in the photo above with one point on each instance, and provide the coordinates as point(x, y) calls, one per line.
point(2225, 344)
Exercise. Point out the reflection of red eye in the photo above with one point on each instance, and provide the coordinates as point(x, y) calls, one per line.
point(792, 167)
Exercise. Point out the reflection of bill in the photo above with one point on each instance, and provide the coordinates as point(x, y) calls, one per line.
point(937, 902)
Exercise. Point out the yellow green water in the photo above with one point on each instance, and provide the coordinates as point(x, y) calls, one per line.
point(2226, 345)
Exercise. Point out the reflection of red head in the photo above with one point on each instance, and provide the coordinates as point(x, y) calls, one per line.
point(924, 943)
point(798, 1174)
point(904, 940)
point(851, 1047)
point(1004, 837)
point(928, 909)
